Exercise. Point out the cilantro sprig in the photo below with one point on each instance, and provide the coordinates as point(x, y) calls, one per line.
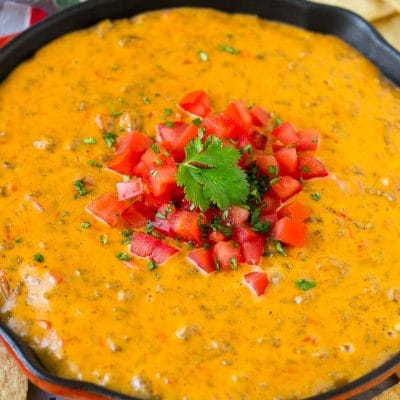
point(210, 174)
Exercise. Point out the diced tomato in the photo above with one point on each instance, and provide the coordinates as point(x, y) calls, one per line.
point(143, 245)
point(222, 126)
point(216, 236)
point(185, 225)
point(178, 195)
point(287, 160)
point(276, 146)
point(204, 259)
point(308, 140)
point(285, 133)
point(258, 282)
point(107, 208)
point(159, 169)
point(162, 179)
point(294, 210)
point(259, 116)
point(137, 214)
point(290, 231)
point(269, 217)
point(163, 218)
point(237, 215)
point(227, 254)
point(269, 204)
point(130, 189)
point(129, 149)
point(179, 136)
point(258, 140)
point(136, 141)
point(286, 187)
point(154, 202)
point(309, 167)
point(239, 112)
point(251, 244)
point(196, 103)
point(123, 163)
point(268, 164)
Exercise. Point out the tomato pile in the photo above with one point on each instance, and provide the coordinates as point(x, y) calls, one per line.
point(275, 158)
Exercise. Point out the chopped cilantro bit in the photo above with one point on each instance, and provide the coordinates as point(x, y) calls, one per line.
point(169, 124)
point(228, 49)
point(203, 55)
point(210, 174)
point(109, 138)
point(80, 187)
point(201, 132)
point(103, 239)
point(206, 245)
point(256, 224)
point(258, 183)
point(38, 257)
point(126, 178)
point(116, 113)
point(248, 148)
point(146, 100)
point(260, 56)
point(278, 121)
point(153, 172)
point(85, 224)
point(152, 265)
point(19, 240)
point(89, 140)
point(155, 148)
point(190, 245)
point(306, 169)
point(127, 236)
point(158, 161)
point(272, 169)
point(280, 249)
point(233, 263)
point(197, 121)
point(274, 180)
point(316, 196)
point(217, 225)
point(161, 216)
point(168, 111)
point(303, 284)
point(115, 67)
point(123, 256)
point(157, 276)
point(149, 228)
point(94, 164)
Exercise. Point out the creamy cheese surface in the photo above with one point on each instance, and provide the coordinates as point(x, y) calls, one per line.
point(174, 332)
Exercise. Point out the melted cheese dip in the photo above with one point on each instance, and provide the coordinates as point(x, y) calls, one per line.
point(173, 332)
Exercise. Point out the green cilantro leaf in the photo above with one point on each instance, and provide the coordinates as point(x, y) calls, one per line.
point(304, 284)
point(109, 138)
point(38, 257)
point(210, 175)
point(80, 187)
point(229, 49)
point(316, 196)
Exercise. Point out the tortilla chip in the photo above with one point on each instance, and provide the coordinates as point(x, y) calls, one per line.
point(391, 394)
point(13, 384)
point(390, 29)
point(369, 9)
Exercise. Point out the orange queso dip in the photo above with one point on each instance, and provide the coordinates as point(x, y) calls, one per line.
point(173, 332)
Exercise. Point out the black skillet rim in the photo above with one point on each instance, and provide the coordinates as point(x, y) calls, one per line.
point(315, 17)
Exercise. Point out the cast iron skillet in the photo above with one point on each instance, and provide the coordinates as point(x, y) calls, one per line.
point(348, 26)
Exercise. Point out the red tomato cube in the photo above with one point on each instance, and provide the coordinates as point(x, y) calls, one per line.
point(257, 281)
point(204, 259)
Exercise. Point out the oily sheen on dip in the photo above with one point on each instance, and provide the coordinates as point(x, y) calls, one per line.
point(173, 332)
